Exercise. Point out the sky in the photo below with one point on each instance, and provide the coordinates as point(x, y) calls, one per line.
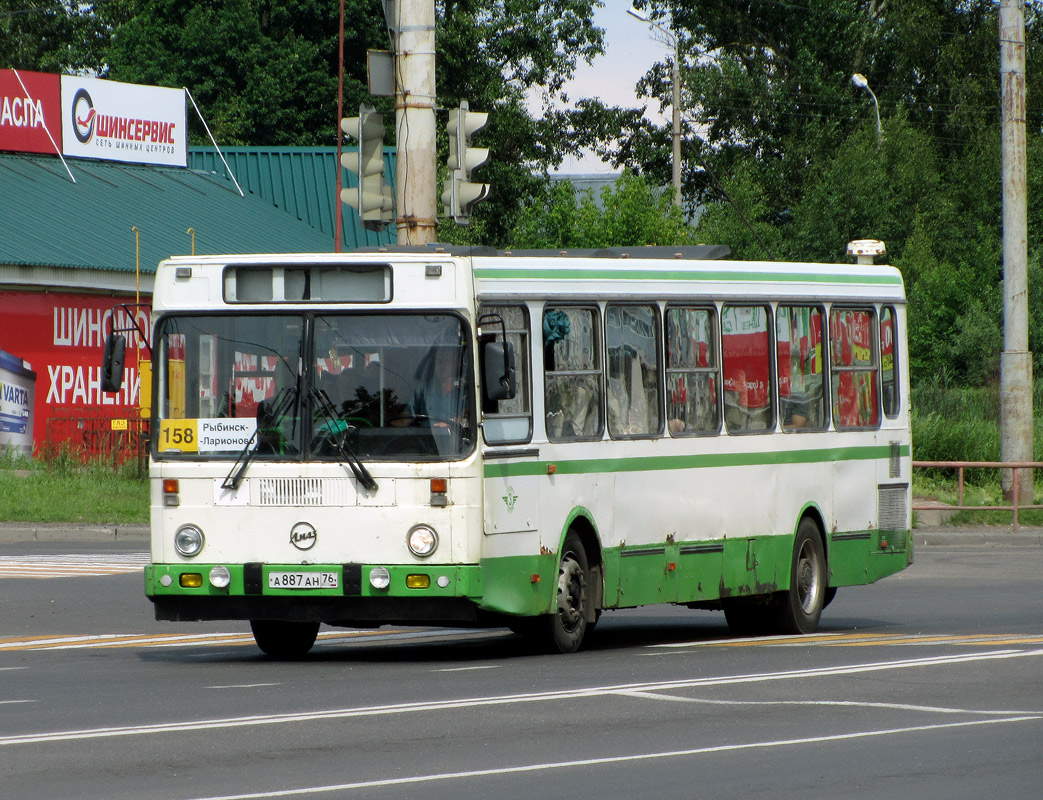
point(630, 52)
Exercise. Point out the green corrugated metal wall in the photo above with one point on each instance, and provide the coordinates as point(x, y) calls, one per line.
point(46, 219)
point(300, 181)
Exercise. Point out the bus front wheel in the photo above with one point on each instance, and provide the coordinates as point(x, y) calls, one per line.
point(569, 622)
point(283, 639)
point(797, 610)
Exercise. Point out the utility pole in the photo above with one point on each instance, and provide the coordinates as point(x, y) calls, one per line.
point(413, 39)
point(675, 80)
point(1015, 360)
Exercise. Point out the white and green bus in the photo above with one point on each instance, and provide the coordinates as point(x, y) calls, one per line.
point(446, 437)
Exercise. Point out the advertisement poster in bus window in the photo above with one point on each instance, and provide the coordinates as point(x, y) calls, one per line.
point(745, 355)
point(799, 348)
point(851, 333)
point(254, 381)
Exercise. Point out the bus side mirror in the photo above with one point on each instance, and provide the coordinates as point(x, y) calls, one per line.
point(499, 381)
point(112, 362)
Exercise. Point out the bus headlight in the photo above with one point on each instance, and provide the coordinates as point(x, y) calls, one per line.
point(220, 577)
point(422, 540)
point(188, 540)
point(379, 578)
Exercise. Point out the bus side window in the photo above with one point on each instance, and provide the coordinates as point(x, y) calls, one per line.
point(572, 366)
point(510, 421)
point(853, 368)
point(632, 370)
point(746, 357)
point(798, 342)
point(692, 372)
point(889, 361)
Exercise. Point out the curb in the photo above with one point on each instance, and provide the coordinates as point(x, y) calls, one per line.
point(976, 536)
point(68, 532)
point(923, 536)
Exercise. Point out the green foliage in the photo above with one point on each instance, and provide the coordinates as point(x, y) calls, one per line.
point(263, 73)
point(266, 74)
point(49, 36)
point(631, 213)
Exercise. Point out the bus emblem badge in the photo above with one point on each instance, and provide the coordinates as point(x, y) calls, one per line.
point(510, 498)
point(303, 536)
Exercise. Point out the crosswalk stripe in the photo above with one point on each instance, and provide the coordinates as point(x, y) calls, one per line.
point(71, 565)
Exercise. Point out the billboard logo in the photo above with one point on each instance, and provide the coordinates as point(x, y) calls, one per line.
point(83, 116)
point(22, 112)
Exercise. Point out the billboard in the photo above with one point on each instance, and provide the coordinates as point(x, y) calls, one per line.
point(123, 122)
point(30, 108)
point(61, 336)
point(17, 392)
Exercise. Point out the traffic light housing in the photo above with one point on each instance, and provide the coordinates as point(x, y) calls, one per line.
point(460, 193)
point(373, 199)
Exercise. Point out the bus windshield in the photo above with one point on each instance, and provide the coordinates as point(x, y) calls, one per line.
point(395, 387)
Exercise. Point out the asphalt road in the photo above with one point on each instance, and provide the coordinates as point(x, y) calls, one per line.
point(925, 685)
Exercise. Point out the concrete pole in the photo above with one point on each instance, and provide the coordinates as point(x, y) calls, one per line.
point(414, 38)
point(675, 78)
point(1015, 360)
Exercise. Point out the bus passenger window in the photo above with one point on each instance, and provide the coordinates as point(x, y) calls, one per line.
point(746, 357)
point(572, 366)
point(889, 361)
point(692, 372)
point(510, 422)
point(798, 343)
point(852, 364)
point(632, 370)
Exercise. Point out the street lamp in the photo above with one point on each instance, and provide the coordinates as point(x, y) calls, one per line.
point(860, 81)
point(675, 80)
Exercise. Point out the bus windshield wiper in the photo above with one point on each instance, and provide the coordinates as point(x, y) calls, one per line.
point(331, 418)
point(283, 402)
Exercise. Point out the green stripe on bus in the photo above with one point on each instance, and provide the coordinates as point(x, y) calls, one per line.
point(701, 461)
point(488, 273)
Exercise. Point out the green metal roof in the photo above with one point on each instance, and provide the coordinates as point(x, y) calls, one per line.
point(301, 181)
point(47, 220)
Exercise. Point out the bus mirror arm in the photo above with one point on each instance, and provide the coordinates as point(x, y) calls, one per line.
point(499, 380)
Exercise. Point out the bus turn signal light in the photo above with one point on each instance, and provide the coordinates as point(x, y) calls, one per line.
point(418, 581)
point(190, 580)
point(170, 493)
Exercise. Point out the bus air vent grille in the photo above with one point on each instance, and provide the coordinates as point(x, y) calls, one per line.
point(893, 507)
point(305, 492)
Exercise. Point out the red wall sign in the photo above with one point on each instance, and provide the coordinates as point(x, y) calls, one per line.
point(29, 108)
point(61, 337)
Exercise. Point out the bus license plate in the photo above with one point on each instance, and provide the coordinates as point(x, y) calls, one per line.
point(303, 580)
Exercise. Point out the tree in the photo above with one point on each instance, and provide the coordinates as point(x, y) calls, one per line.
point(265, 73)
point(50, 36)
point(631, 213)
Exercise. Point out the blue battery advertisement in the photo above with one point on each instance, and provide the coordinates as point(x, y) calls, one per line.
point(17, 391)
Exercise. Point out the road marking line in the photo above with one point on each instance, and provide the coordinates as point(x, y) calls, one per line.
point(15, 702)
point(843, 703)
point(243, 686)
point(624, 759)
point(502, 700)
point(857, 640)
point(468, 669)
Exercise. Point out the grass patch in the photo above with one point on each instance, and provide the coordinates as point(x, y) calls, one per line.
point(66, 490)
point(962, 424)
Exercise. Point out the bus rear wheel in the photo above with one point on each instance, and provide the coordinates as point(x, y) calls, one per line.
point(798, 609)
point(282, 639)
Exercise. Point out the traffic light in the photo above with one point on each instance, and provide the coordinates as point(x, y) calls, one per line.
point(460, 194)
point(372, 198)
